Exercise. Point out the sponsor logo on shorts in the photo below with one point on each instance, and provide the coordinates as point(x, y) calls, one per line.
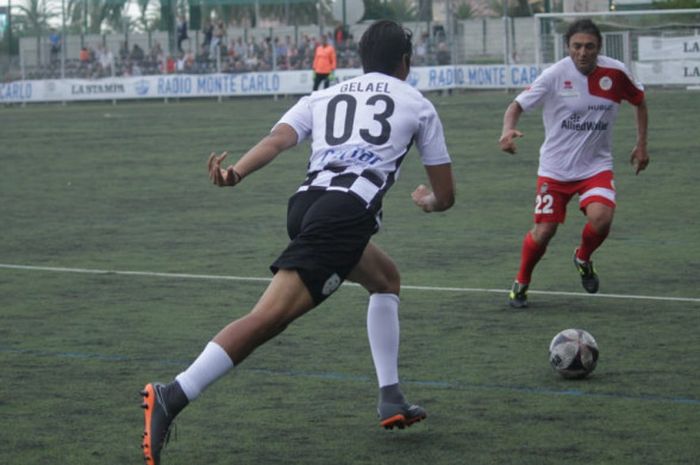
point(331, 284)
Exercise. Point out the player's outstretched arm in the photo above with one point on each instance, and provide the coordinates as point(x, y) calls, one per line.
point(282, 137)
point(442, 195)
point(639, 158)
point(509, 133)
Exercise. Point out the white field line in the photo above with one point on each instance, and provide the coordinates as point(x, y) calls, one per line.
point(403, 286)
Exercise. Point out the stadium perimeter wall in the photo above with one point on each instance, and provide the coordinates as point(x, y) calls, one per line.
point(428, 78)
point(219, 85)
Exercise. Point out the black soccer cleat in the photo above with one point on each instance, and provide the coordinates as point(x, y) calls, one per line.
point(589, 278)
point(518, 295)
point(399, 415)
point(157, 422)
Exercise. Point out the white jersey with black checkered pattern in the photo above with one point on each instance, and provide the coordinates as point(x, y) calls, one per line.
point(361, 130)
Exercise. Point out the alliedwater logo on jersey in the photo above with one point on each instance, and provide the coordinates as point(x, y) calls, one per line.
point(574, 123)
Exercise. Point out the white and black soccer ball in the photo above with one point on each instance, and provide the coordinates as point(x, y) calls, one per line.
point(573, 353)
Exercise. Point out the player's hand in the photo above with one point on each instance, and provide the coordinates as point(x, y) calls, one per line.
point(219, 176)
point(507, 140)
point(424, 198)
point(639, 159)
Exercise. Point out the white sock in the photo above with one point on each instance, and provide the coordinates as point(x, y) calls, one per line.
point(212, 364)
point(383, 333)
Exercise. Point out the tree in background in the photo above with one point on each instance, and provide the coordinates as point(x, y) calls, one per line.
point(244, 14)
point(397, 10)
point(37, 15)
point(514, 8)
point(89, 16)
point(148, 19)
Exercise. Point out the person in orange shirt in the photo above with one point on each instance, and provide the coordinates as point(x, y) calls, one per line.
point(324, 63)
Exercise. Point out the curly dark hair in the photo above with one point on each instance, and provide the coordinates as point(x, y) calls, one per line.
point(383, 46)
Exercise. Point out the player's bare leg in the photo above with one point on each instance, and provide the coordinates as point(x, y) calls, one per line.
point(285, 299)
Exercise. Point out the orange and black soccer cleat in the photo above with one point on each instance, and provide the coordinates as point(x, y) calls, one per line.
point(399, 415)
point(157, 422)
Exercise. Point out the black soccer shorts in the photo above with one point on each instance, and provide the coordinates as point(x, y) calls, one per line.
point(329, 232)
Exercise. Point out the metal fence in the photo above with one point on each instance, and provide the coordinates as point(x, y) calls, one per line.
point(475, 41)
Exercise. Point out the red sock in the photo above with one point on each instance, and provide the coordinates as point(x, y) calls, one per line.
point(590, 241)
point(530, 255)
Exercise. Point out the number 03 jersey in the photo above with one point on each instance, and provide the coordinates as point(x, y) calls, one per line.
point(361, 131)
point(578, 114)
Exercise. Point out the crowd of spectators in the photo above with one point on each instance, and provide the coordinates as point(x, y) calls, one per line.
point(217, 53)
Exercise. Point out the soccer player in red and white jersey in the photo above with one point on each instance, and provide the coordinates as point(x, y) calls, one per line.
point(579, 96)
point(360, 130)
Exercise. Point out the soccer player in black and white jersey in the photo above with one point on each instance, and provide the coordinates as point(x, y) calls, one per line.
point(361, 130)
point(580, 96)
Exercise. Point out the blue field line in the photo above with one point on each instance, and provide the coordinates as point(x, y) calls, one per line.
point(345, 377)
point(156, 274)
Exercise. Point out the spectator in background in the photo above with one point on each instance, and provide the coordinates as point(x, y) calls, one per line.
point(324, 63)
point(443, 54)
point(281, 54)
point(135, 68)
point(256, 54)
point(201, 61)
point(156, 52)
point(55, 42)
point(330, 39)
point(303, 47)
point(291, 52)
point(251, 62)
point(421, 51)
point(240, 49)
point(208, 31)
point(189, 61)
point(105, 59)
point(181, 32)
point(339, 35)
point(124, 51)
point(170, 65)
point(218, 34)
point(84, 56)
point(137, 54)
point(85, 59)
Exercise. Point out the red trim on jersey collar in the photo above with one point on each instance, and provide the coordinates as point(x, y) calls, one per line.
point(613, 84)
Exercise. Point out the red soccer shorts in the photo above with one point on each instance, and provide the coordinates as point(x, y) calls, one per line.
point(553, 196)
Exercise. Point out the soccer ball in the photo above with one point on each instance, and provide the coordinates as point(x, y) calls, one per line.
point(573, 353)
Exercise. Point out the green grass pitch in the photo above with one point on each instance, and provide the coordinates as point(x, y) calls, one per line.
point(124, 189)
